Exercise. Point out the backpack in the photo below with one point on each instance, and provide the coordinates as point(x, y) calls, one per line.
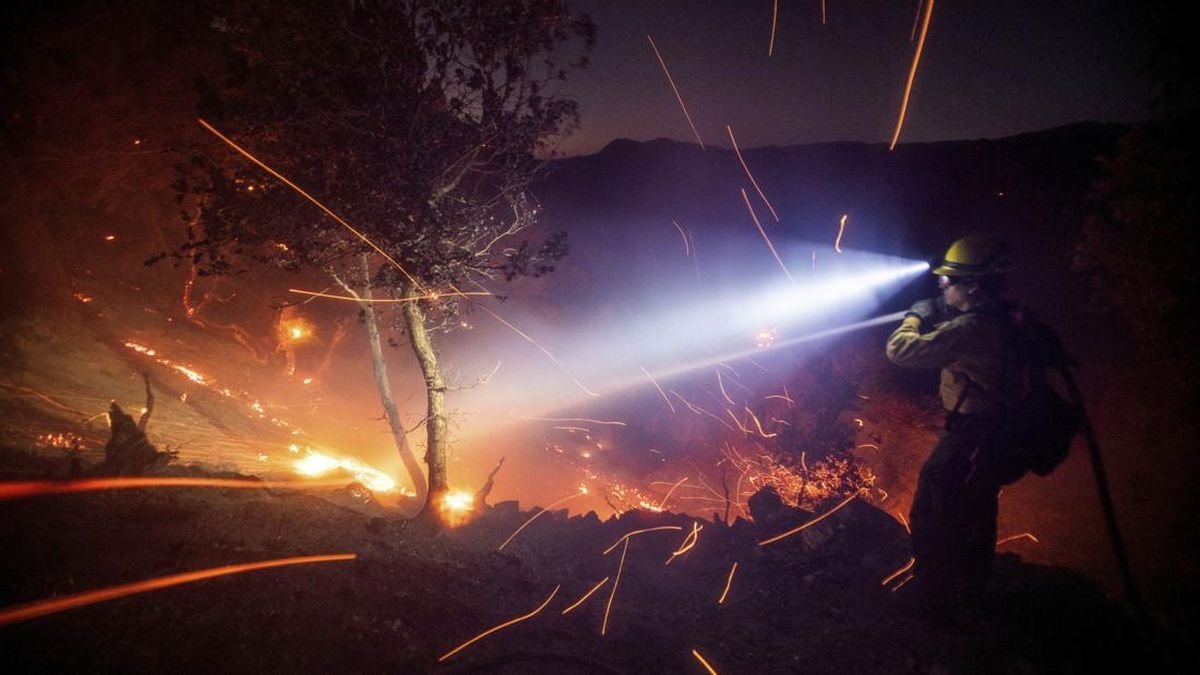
point(1041, 424)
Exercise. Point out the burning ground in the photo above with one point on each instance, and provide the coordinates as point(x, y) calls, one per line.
point(811, 602)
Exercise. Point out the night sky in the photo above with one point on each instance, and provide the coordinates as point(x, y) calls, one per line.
point(988, 70)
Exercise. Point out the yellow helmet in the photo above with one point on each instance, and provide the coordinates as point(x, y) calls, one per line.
point(973, 256)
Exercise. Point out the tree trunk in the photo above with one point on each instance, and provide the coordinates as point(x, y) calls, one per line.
point(435, 389)
point(385, 389)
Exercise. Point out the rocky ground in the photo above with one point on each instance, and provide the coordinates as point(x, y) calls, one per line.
point(810, 603)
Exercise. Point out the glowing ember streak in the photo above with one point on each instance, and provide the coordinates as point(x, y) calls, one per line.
point(907, 566)
point(703, 662)
point(616, 582)
point(637, 532)
point(759, 425)
point(721, 386)
point(701, 411)
point(586, 595)
point(310, 198)
point(904, 522)
point(774, 21)
point(414, 298)
point(866, 445)
point(663, 504)
point(728, 583)
point(582, 491)
point(901, 584)
point(502, 626)
point(687, 248)
point(782, 397)
point(746, 168)
point(1023, 535)
point(688, 542)
point(837, 243)
point(572, 419)
point(765, 237)
point(810, 523)
point(676, 90)
point(82, 297)
point(545, 351)
point(40, 608)
point(660, 390)
point(823, 22)
point(22, 490)
point(912, 74)
point(916, 21)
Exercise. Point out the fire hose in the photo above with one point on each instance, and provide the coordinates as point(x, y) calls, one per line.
point(1132, 594)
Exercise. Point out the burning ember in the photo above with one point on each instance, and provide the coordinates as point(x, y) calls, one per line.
point(456, 507)
point(316, 464)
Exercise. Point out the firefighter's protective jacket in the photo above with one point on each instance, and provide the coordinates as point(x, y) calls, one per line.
point(969, 348)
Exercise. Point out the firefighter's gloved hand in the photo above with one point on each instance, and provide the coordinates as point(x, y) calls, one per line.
point(927, 311)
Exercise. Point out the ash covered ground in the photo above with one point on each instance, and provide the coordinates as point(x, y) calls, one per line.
point(812, 602)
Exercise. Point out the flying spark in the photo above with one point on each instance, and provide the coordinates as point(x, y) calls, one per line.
point(502, 626)
point(310, 198)
point(26, 489)
point(912, 74)
point(765, 237)
point(721, 386)
point(837, 244)
point(809, 524)
point(663, 504)
point(34, 610)
point(660, 390)
point(413, 298)
point(616, 582)
point(774, 20)
point(687, 248)
point(545, 351)
point(916, 21)
point(728, 583)
point(746, 168)
point(582, 491)
point(585, 596)
point(1023, 535)
point(688, 542)
point(906, 567)
point(703, 662)
point(676, 90)
point(637, 532)
point(611, 423)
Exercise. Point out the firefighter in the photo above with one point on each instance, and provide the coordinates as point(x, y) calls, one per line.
point(962, 332)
